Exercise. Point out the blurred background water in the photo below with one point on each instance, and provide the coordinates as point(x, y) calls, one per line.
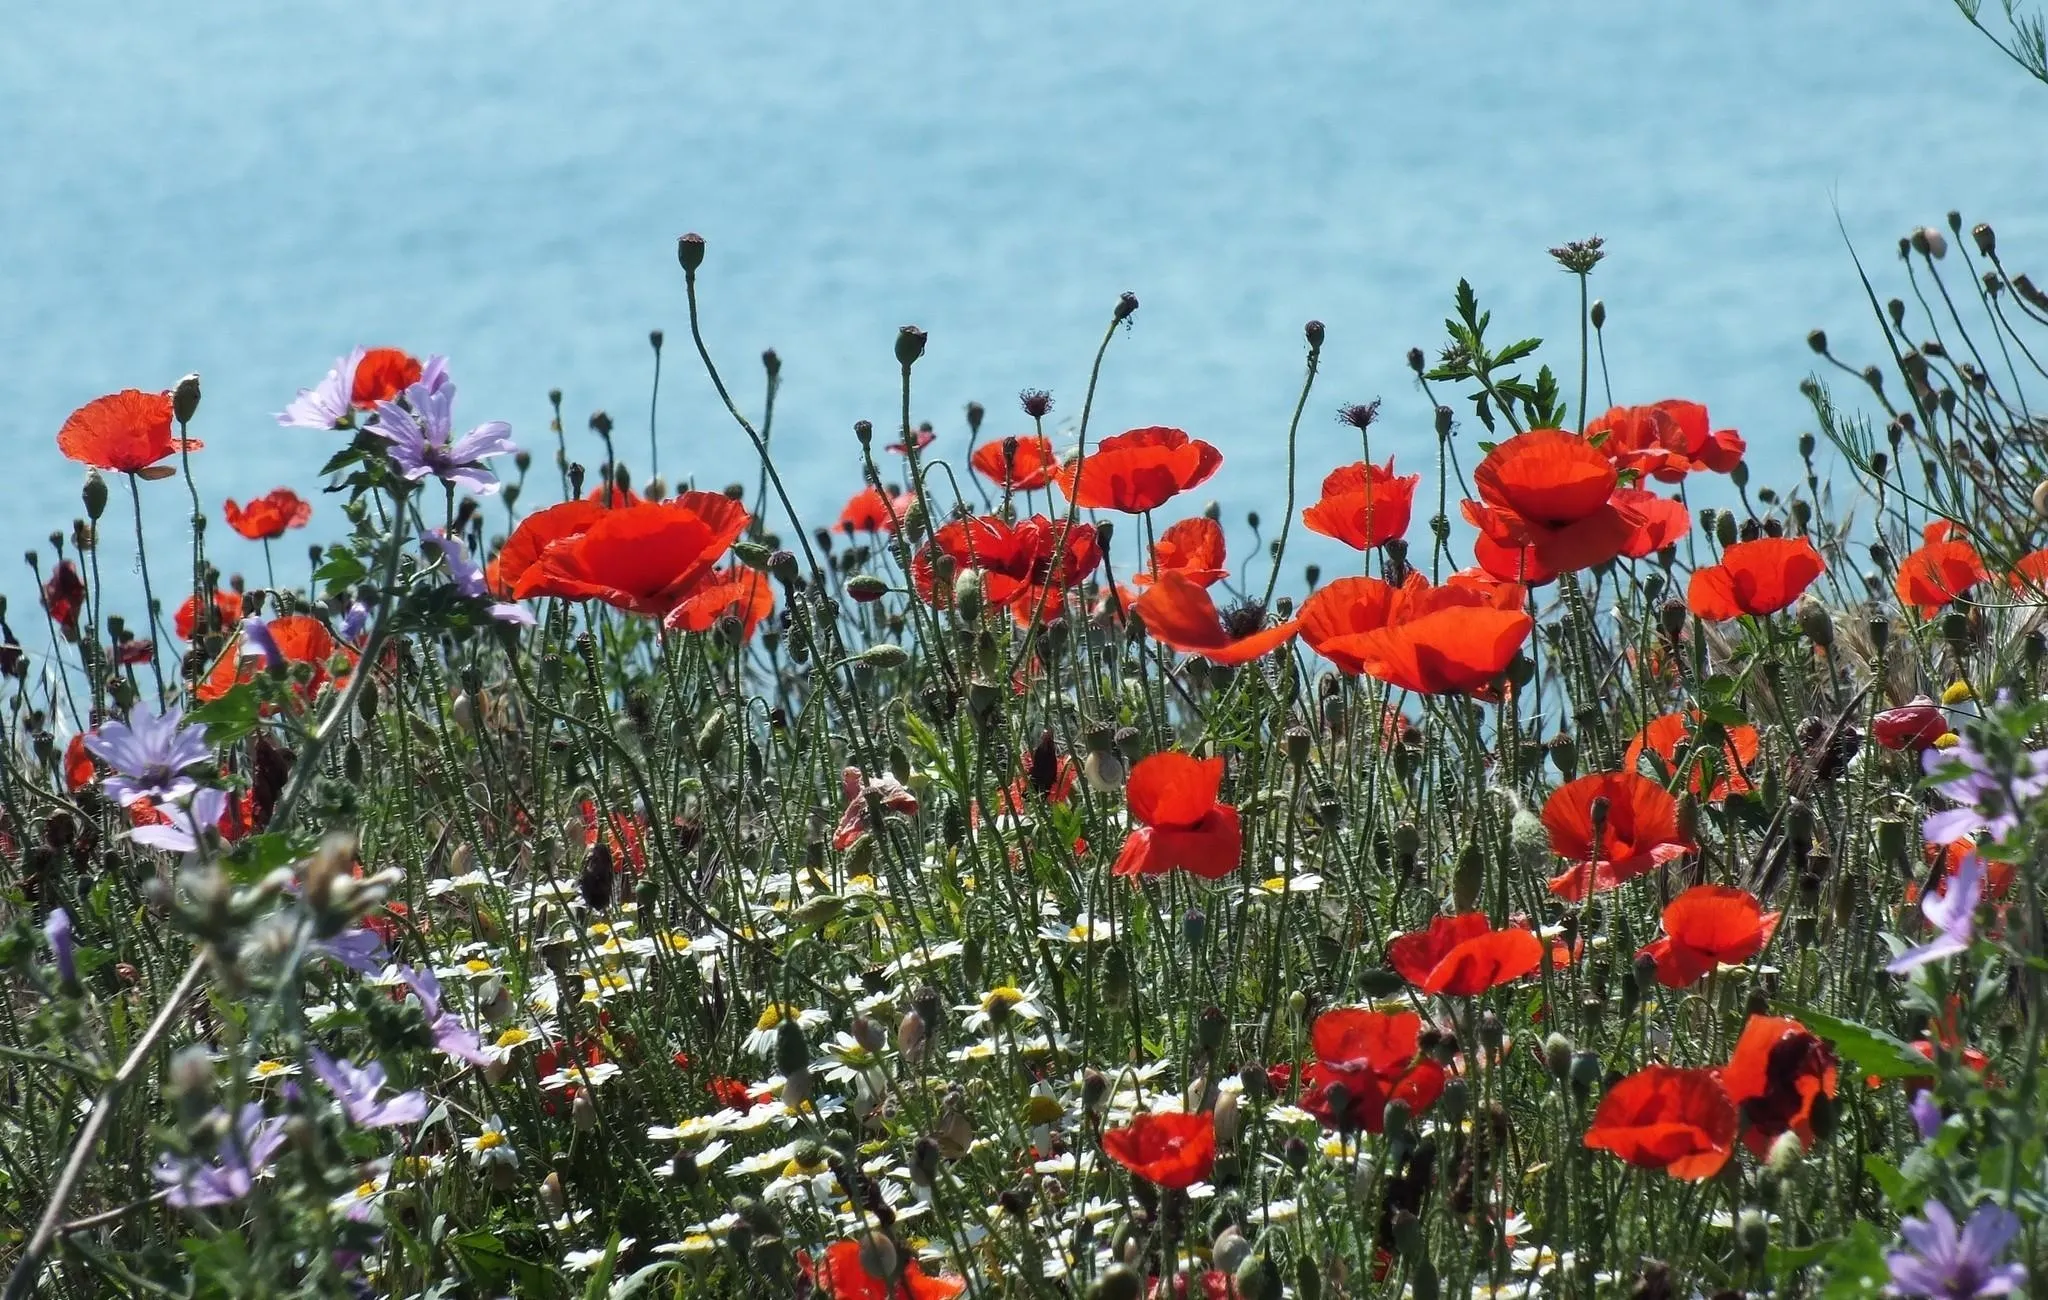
point(248, 189)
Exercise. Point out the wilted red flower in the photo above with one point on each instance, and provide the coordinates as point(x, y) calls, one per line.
point(1172, 797)
point(1363, 505)
point(269, 515)
point(128, 431)
point(853, 820)
point(1192, 548)
point(534, 535)
point(734, 589)
point(1455, 639)
point(1552, 492)
point(78, 768)
point(1706, 927)
point(1349, 607)
point(1942, 569)
point(871, 512)
point(1662, 1117)
point(227, 611)
point(1464, 956)
point(925, 437)
point(1754, 578)
point(1031, 468)
point(381, 375)
point(64, 597)
point(300, 639)
point(842, 1275)
point(1639, 833)
point(1138, 471)
point(1915, 725)
point(1664, 734)
point(623, 834)
point(643, 559)
point(1168, 1149)
point(1779, 1071)
point(1179, 613)
point(1660, 521)
point(1015, 560)
point(134, 650)
point(1372, 1057)
point(1666, 440)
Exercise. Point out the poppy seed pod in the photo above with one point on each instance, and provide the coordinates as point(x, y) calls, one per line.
point(1126, 305)
point(690, 252)
point(95, 494)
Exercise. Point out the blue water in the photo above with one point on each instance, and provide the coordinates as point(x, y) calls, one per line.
point(247, 189)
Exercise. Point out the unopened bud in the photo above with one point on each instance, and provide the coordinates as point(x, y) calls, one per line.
point(185, 399)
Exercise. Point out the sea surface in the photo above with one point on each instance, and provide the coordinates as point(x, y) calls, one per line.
point(248, 189)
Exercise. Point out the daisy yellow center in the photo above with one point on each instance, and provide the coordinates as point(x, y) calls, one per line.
point(772, 1015)
point(269, 1067)
point(513, 1037)
point(476, 965)
point(366, 1189)
point(489, 1138)
point(798, 1169)
point(1276, 883)
point(1956, 693)
point(1001, 999)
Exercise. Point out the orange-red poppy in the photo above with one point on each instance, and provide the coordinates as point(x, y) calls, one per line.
point(269, 515)
point(1016, 561)
point(1664, 734)
point(1553, 492)
point(1662, 1117)
point(1780, 1069)
point(1666, 440)
point(1349, 607)
point(1943, 568)
point(1640, 831)
point(1179, 613)
point(381, 375)
point(1754, 578)
point(1363, 505)
point(1168, 1149)
point(1455, 639)
point(1138, 471)
point(842, 1275)
point(2029, 575)
point(1518, 564)
point(227, 610)
point(128, 431)
point(78, 768)
point(643, 559)
point(869, 511)
point(1364, 1060)
point(1706, 927)
point(1172, 798)
point(1464, 956)
point(299, 638)
point(535, 534)
point(1660, 521)
point(734, 589)
point(1029, 468)
point(1916, 725)
point(1192, 548)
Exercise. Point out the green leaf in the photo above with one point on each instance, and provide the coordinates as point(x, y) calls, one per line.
point(257, 856)
point(231, 717)
point(1516, 351)
point(1856, 1266)
point(1869, 1051)
point(1781, 1260)
point(340, 571)
point(487, 1260)
point(1887, 1177)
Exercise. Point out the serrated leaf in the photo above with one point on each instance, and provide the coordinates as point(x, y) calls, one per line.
point(1516, 351)
point(231, 717)
point(340, 571)
point(1870, 1051)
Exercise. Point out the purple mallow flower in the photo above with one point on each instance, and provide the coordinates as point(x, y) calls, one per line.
point(467, 577)
point(355, 623)
point(1952, 912)
point(63, 947)
point(149, 755)
point(257, 643)
point(189, 821)
point(451, 1036)
point(327, 404)
point(357, 1089)
point(1981, 794)
point(423, 441)
point(1926, 1112)
point(362, 951)
point(1944, 1264)
point(195, 1184)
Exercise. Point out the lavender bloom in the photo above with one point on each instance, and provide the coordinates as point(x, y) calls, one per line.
point(1945, 1264)
point(196, 1184)
point(467, 577)
point(362, 951)
point(1926, 1114)
point(1953, 913)
point(189, 821)
point(1981, 794)
point(451, 1036)
point(355, 624)
point(357, 1089)
point(257, 642)
point(63, 947)
point(327, 405)
point(423, 441)
point(149, 755)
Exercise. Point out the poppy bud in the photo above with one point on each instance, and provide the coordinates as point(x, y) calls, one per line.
point(782, 564)
point(1753, 1234)
point(95, 494)
point(1467, 878)
point(1557, 1055)
point(1598, 313)
point(1209, 1027)
point(185, 399)
point(1314, 333)
point(690, 252)
point(1126, 304)
point(582, 1113)
point(1119, 1283)
point(910, 341)
point(1443, 421)
point(1194, 926)
point(1585, 1071)
point(866, 588)
point(1725, 531)
point(884, 655)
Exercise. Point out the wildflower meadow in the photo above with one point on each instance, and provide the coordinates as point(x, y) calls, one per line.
point(580, 881)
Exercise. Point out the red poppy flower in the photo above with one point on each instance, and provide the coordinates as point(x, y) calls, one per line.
point(1349, 607)
point(1666, 440)
point(1364, 1060)
point(269, 515)
point(1172, 797)
point(1015, 560)
point(623, 834)
point(1192, 548)
point(871, 512)
point(1171, 1149)
point(1942, 569)
point(1551, 491)
point(1028, 470)
point(842, 1276)
point(643, 559)
point(1518, 564)
point(1179, 613)
point(1706, 927)
point(1661, 1117)
point(612, 496)
point(2029, 575)
point(1138, 471)
point(1660, 521)
point(236, 817)
point(227, 611)
point(300, 639)
point(64, 597)
point(1971, 1057)
point(734, 589)
point(78, 768)
point(1664, 734)
point(128, 431)
point(1639, 834)
point(1914, 725)
point(1755, 578)
point(1363, 505)
point(534, 535)
point(381, 375)
point(926, 436)
point(1779, 1070)
point(1464, 956)
point(1455, 639)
